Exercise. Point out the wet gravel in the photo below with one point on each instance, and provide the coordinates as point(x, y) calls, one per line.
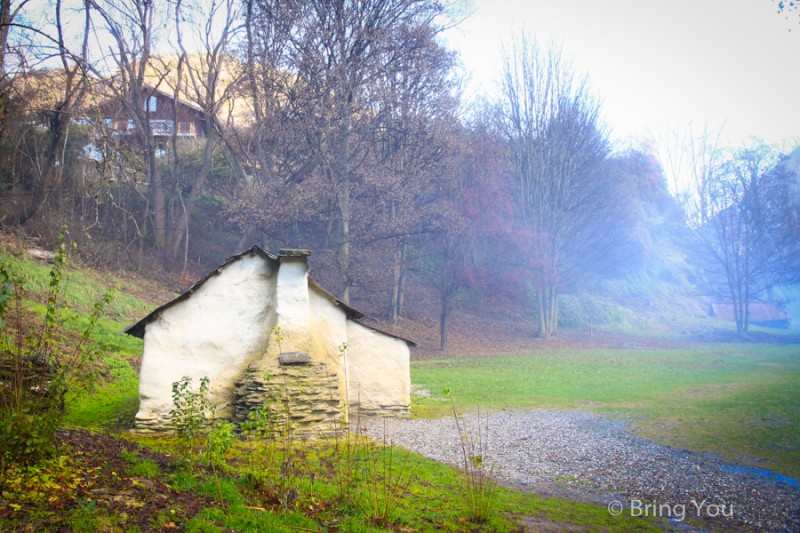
point(583, 456)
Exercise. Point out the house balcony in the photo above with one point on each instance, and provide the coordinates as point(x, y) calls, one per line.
point(158, 127)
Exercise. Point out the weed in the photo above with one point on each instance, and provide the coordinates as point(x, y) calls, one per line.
point(184, 480)
point(344, 463)
point(191, 415)
point(274, 465)
point(276, 333)
point(146, 468)
point(386, 482)
point(84, 518)
point(480, 488)
point(201, 525)
point(220, 440)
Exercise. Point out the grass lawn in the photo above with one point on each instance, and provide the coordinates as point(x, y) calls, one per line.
point(738, 400)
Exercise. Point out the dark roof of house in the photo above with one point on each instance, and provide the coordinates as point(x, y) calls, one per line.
point(137, 329)
point(108, 102)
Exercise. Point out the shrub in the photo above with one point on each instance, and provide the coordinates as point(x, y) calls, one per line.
point(579, 311)
point(191, 415)
point(40, 363)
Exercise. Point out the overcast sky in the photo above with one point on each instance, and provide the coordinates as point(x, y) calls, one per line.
point(657, 64)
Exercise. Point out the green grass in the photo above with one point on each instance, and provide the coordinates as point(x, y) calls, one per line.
point(738, 400)
point(433, 501)
point(113, 404)
point(84, 288)
point(114, 401)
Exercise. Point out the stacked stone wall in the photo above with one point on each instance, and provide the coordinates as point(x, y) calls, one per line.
point(307, 393)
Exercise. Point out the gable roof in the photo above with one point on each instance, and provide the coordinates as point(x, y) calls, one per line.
point(137, 329)
point(171, 96)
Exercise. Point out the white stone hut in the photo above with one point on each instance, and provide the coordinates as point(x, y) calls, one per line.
point(260, 328)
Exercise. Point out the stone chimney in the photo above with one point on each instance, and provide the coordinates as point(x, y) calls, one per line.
point(299, 372)
point(293, 309)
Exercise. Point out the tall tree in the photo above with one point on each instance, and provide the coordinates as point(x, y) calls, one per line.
point(415, 135)
point(132, 27)
point(556, 146)
point(208, 78)
point(749, 237)
point(317, 73)
point(342, 46)
point(9, 12)
point(691, 158)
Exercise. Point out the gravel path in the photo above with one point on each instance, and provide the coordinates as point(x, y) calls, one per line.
point(582, 456)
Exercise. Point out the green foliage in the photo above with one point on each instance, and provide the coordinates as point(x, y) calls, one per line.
point(111, 406)
point(86, 287)
point(192, 418)
point(140, 467)
point(220, 440)
point(40, 364)
point(37, 483)
point(581, 311)
point(84, 518)
point(276, 334)
point(191, 414)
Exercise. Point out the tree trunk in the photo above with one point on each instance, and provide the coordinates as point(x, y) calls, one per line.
point(342, 168)
point(343, 259)
point(45, 178)
point(180, 225)
point(401, 289)
point(5, 27)
point(540, 314)
point(157, 198)
point(398, 281)
point(443, 316)
point(394, 289)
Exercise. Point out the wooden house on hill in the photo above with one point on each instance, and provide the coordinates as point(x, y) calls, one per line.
point(766, 314)
point(165, 114)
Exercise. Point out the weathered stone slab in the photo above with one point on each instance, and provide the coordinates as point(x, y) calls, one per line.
point(294, 358)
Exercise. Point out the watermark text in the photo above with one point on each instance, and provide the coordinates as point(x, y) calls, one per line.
point(677, 512)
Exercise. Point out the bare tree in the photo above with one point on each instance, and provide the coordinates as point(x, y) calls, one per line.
point(9, 12)
point(690, 160)
point(132, 27)
point(208, 78)
point(342, 46)
point(556, 146)
point(58, 103)
point(317, 74)
point(415, 133)
point(749, 237)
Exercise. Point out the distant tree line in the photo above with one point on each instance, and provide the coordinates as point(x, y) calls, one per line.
point(334, 125)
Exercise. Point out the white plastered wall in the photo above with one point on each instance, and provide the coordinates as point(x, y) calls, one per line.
point(329, 331)
point(379, 369)
point(292, 306)
point(216, 332)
